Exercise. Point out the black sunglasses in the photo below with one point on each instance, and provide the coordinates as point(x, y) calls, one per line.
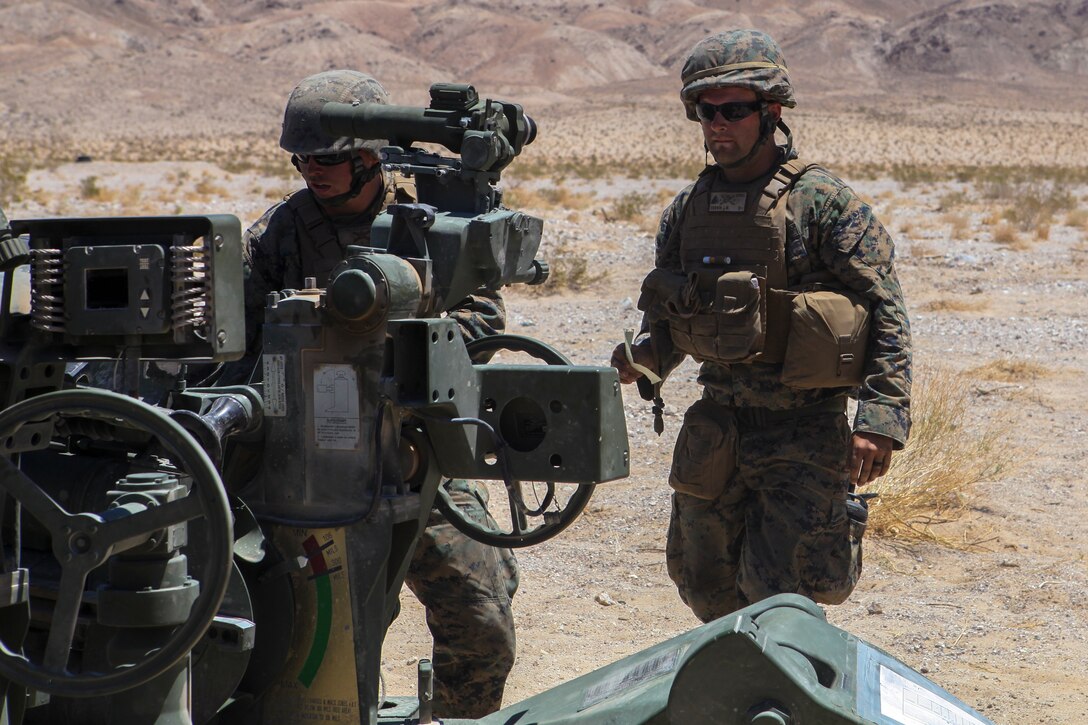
point(731, 112)
point(321, 159)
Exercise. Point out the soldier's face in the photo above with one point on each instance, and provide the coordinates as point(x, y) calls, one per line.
point(327, 182)
point(730, 141)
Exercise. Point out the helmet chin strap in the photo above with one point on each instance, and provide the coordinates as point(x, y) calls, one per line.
point(360, 177)
point(788, 152)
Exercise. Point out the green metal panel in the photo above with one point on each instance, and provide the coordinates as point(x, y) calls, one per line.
point(775, 662)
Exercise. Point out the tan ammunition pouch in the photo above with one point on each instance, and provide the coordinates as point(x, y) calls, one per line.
point(721, 317)
point(729, 326)
point(828, 336)
point(705, 456)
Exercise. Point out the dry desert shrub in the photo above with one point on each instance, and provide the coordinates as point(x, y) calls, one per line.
point(555, 196)
point(90, 189)
point(643, 210)
point(1007, 235)
point(570, 270)
point(955, 304)
point(1077, 218)
point(207, 187)
point(1037, 205)
point(922, 250)
point(958, 224)
point(1009, 370)
point(929, 481)
point(952, 201)
point(907, 227)
point(13, 171)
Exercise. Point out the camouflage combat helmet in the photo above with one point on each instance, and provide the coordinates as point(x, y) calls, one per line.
point(745, 58)
point(302, 132)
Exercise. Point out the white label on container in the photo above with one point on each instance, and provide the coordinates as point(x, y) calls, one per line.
point(911, 704)
point(274, 388)
point(336, 407)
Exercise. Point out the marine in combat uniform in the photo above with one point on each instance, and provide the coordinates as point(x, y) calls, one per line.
point(775, 276)
point(465, 586)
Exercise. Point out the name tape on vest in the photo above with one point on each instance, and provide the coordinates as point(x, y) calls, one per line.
point(732, 202)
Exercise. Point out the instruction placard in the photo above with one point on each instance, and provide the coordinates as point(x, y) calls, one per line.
point(274, 389)
point(336, 407)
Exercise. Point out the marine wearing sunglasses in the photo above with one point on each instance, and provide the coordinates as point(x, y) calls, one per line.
point(321, 159)
point(730, 112)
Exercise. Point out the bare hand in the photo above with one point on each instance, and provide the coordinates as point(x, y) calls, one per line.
point(870, 457)
point(642, 354)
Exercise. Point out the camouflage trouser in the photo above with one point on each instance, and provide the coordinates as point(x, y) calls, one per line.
point(466, 588)
point(779, 524)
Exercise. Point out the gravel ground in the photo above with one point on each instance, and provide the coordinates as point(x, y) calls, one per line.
point(1002, 624)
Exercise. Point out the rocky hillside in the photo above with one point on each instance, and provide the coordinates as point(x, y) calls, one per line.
point(146, 67)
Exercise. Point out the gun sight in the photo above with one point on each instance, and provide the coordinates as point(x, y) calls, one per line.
point(487, 134)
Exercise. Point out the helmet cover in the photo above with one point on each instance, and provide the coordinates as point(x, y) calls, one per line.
point(302, 132)
point(745, 58)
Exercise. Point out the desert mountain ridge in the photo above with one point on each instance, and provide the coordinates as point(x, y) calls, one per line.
point(148, 67)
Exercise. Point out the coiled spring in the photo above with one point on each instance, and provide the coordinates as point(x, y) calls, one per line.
point(47, 290)
point(191, 286)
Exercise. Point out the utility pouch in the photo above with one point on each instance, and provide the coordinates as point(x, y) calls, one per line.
point(705, 456)
point(719, 318)
point(829, 332)
point(658, 287)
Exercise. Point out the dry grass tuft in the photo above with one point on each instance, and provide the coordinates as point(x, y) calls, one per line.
point(569, 270)
point(1008, 370)
point(91, 189)
point(13, 173)
point(1035, 207)
point(1006, 235)
point(930, 479)
point(955, 304)
point(1077, 218)
point(551, 197)
point(643, 210)
point(922, 250)
point(958, 224)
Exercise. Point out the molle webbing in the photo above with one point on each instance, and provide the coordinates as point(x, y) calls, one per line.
point(742, 228)
point(318, 237)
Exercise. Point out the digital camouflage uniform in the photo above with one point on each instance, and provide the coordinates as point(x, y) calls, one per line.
point(780, 523)
point(465, 586)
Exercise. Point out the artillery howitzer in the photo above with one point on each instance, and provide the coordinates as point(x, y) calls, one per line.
point(234, 554)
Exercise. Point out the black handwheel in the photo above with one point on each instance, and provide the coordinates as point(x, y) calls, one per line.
point(84, 541)
point(551, 513)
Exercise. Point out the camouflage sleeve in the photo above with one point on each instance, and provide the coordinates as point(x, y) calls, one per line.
point(857, 249)
point(481, 313)
point(666, 256)
point(4, 223)
point(262, 267)
point(667, 243)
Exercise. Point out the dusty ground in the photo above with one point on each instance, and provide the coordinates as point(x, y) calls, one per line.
point(1001, 624)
